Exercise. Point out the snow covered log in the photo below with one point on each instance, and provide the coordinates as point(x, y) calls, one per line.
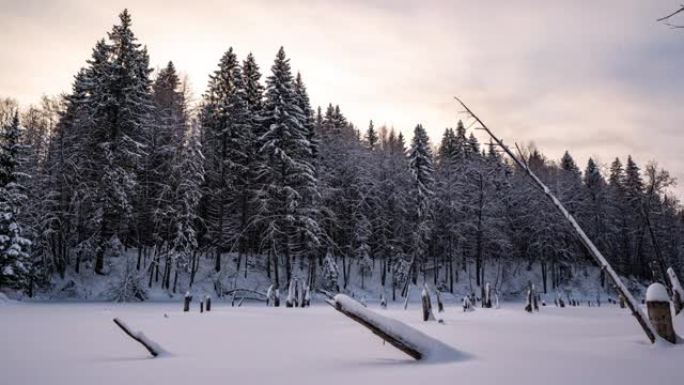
point(151, 346)
point(396, 333)
point(658, 305)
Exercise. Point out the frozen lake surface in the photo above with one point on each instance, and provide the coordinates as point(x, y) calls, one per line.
point(79, 344)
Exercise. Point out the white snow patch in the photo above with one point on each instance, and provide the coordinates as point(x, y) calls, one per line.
point(657, 293)
point(76, 343)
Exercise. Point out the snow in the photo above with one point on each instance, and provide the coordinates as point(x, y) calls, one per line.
point(657, 293)
point(70, 343)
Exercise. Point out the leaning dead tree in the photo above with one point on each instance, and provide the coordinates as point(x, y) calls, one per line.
point(667, 19)
point(589, 245)
point(396, 333)
point(354, 310)
point(151, 346)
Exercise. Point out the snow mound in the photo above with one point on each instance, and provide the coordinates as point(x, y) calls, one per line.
point(657, 293)
point(4, 300)
point(432, 350)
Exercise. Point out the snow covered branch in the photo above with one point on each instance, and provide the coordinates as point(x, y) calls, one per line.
point(151, 346)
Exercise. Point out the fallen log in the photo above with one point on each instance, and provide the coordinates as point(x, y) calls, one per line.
point(403, 337)
point(151, 346)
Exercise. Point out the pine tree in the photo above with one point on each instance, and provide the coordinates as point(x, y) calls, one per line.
point(228, 138)
point(362, 250)
point(371, 137)
point(287, 175)
point(162, 139)
point(422, 172)
point(14, 258)
point(308, 122)
point(253, 89)
point(616, 178)
point(472, 147)
point(568, 164)
point(118, 115)
point(189, 176)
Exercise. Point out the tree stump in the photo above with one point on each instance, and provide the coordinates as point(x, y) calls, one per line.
point(658, 305)
point(528, 306)
point(276, 298)
point(440, 304)
point(427, 305)
point(186, 301)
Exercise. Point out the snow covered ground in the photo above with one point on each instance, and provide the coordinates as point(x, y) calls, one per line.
point(79, 344)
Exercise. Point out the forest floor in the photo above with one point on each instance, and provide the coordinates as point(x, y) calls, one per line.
point(77, 343)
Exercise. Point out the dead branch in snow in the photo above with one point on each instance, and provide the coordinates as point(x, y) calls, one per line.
point(666, 19)
point(151, 346)
point(589, 245)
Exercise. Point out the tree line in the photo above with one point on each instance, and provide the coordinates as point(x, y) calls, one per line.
point(124, 163)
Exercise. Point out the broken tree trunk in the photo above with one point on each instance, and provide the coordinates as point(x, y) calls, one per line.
point(427, 305)
point(342, 304)
point(186, 301)
point(440, 304)
point(677, 292)
point(151, 346)
point(403, 337)
point(589, 245)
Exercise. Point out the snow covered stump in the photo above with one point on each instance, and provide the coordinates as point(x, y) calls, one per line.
point(186, 301)
point(658, 305)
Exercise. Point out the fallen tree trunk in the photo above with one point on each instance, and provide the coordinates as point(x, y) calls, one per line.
point(401, 336)
point(588, 244)
point(151, 346)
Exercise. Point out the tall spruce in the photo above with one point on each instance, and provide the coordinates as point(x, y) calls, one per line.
point(228, 137)
point(14, 258)
point(287, 176)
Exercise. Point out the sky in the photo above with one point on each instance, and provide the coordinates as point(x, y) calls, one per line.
point(597, 78)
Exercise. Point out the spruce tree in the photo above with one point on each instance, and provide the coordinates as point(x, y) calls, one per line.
point(287, 176)
point(568, 165)
point(371, 137)
point(14, 258)
point(420, 165)
point(228, 140)
point(113, 118)
point(472, 146)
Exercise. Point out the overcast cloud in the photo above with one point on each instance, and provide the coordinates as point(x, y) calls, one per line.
point(599, 79)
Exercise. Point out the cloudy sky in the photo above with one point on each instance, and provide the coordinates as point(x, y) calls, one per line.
point(598, 78)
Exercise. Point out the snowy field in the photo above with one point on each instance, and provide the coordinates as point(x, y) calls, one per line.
point(79, 344)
